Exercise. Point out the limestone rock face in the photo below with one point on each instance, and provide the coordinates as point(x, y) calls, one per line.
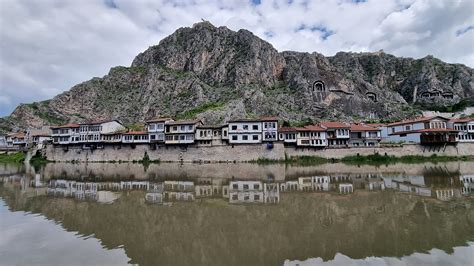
point(217, 74)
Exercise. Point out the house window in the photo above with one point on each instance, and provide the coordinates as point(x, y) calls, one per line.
point(255, 137)
point(234, 197)
point(245, 127)
point(407, 128)
point(190, 127)
point(182, 128)
point(234, 137)
point(246, 186)
point(152, 137)
point(256, 186)
point(255, 127)
point(234, 127)
point(235, 186)
point(151, 127)
point(256, 197)
point(245, 137)
point(175, 128)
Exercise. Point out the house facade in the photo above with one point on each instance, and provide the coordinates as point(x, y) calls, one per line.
point(364, 136)
point(156, 129)
point(311, 136)
point(424, 130)
point(135, 137)
point(269, 129)
point(181, 132)
point(288, 135)
point(85, 133)
point(338, 134)
point(245, 131)
point(210, 135)
point(465, 128)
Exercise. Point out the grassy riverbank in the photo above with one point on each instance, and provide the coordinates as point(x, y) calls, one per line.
point(17, 157)
point(369, 159)
point(386, 159)
point(297, 160)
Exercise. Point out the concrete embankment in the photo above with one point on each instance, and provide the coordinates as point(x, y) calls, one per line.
point(238, 153)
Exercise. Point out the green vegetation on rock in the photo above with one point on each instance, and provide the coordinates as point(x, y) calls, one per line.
point(200, 109)
point(17, 157)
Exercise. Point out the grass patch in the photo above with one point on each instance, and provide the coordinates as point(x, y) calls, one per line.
point(386, 159)
point(17, 157)
point(200, 109)
point(293, 160)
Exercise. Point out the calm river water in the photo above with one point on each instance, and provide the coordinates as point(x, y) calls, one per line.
point(237, 214)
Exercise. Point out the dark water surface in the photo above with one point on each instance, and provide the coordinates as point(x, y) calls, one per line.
point(237, 214)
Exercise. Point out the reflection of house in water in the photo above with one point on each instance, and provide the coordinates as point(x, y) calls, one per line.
point(178, 191)
point(271, 192)
point(81, 190)
point(208, 187)
point(445, 194)
point(289, 186)
point(346, 188)
point(467, 182)
point(253, 192)
point(246, 192)
point(313, 183)
point(130, 185)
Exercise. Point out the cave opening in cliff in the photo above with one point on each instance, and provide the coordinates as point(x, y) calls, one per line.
point(319, 86)
point(372, 96)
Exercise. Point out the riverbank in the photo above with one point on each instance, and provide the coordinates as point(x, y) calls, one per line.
point(259, 153)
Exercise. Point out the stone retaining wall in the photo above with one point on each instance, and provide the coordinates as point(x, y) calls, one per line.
point(237, 153)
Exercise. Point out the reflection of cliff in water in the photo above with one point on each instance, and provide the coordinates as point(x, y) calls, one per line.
point(301, 226)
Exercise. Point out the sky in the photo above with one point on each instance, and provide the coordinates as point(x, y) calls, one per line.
point(48, 46)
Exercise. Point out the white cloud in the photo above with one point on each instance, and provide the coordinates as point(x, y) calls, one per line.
point(57, 44)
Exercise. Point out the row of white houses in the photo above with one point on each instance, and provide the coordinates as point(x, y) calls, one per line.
point(425, 130)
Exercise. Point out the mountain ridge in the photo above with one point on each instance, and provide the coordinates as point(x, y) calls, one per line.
point(216, 74)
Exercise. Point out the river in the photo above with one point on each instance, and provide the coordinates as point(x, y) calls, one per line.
point(237, 214)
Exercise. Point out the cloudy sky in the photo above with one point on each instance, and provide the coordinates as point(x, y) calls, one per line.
point(48, 46)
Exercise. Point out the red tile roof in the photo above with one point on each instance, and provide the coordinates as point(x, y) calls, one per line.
point(70, 125)
point(183, 122)
point(462, 120)
point(136, 133)
point(314, 128)
point(363, 127)
point(159, 119)
point(333, 125)
point(288, 129)
point(417, 120)
point(100, 122)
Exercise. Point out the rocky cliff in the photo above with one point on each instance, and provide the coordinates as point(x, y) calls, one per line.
point(217, 74)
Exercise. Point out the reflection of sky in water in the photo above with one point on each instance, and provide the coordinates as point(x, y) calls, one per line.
point(33, 240)
point(460, 256)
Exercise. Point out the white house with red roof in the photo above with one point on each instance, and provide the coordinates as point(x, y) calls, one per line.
point(311, 136)
point(424, 130)
point(156, 129)
point(465, 127)
point(363, 135)
point(135, 137)
point(288, 135)
point(85, 133)
point(338, 134)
